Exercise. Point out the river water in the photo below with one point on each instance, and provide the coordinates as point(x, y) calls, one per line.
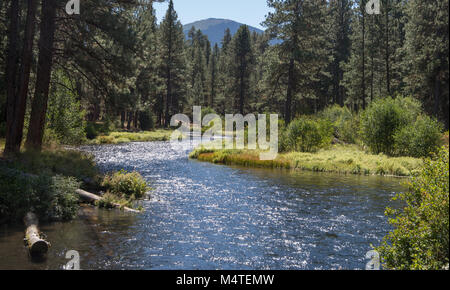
point(206, 216)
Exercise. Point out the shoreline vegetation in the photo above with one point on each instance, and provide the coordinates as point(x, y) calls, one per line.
point(46, 183)
point(340, 159)
point(127, 137)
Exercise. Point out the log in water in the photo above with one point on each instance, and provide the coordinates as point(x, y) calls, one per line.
point(91, 198)
point(35, 244)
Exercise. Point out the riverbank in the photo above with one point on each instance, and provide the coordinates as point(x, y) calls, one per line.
point(47, 184)
point(127, 137)
point(342, 159)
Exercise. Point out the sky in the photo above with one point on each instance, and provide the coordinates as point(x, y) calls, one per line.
point(250, 12)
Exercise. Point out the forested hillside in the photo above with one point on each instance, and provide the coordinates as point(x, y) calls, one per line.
point(214, 28)
point(116, 64)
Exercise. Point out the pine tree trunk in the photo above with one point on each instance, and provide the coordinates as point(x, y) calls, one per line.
point(437, 97)
point(288, 104)
point(15, 130)
point(363, 81)
point(129, 120)
point(11, 74)
point(136, 118)
point(39, 105)
point(388, 77)
point(122, 119)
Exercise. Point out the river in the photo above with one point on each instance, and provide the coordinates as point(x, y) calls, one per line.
point(206, 216)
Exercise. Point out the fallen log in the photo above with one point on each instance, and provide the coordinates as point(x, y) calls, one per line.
point(92, 198)
point(36, 245)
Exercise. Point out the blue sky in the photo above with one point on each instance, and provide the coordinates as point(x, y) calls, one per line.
point(251, 12)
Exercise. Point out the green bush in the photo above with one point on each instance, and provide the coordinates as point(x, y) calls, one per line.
point(51, 198)
point(63, 162)
point(420, 239)
point(420, 139)
point(65, 118)
point(123, 184)
point(146, 122)
point(383, 119)
point(345, 124)
point(307, 135)
point(95, 129)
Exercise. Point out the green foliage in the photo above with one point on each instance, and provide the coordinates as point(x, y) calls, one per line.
point(51, 198)
point(95, 129)
point(128, 185)
point(307, 135)
point(69, 163)
point(420, 239)
point(146, 120)
point(419, 139)
point(345, 124)
point(65, 118)
point(384, 117)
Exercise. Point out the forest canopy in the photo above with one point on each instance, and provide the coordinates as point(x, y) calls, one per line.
point(117, 65)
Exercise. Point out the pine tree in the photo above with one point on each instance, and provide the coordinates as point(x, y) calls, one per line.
point(242, 61)
point(341, 14)
point(302, 53)
point(17, 92)
point(355, 75)
point(172, 62)
point(426, 62)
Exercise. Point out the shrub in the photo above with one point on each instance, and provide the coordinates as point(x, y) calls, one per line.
point(65, 118)
point(51, 198)
point(95, 129)
point(383, 118)
point(420, 239)
point(420, 139)
point(307, 135)
point(345, 124)
point(146, 122)
point(123, 184)
point(64, 162)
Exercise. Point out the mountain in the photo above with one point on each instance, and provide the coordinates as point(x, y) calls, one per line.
point(215, 28)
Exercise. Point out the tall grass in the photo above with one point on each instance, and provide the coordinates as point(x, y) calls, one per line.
point(344, 159)
point(126, 137)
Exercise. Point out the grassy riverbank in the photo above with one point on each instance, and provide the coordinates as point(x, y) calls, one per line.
point(344, 159)
point(127, 137)
point(46, 183)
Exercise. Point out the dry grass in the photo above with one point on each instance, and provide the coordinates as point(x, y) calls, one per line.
point(126, 137)
point(344, 159)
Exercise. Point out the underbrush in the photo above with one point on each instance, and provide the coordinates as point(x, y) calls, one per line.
point(52, 198)
point(44, 183)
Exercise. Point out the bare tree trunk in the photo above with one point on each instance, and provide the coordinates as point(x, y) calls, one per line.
point(39, 105)
point(11, 73)
point(122, 119)
point(129, 120)
point(290, 88)
point(388, 77)
point(363, 84)
point(437, 98)
point(136, 120)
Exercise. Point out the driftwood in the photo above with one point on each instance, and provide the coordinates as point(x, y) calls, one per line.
point(36, 245)
point(92, 198)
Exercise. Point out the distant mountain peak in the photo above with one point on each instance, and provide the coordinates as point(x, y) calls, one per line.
point(215, 28)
